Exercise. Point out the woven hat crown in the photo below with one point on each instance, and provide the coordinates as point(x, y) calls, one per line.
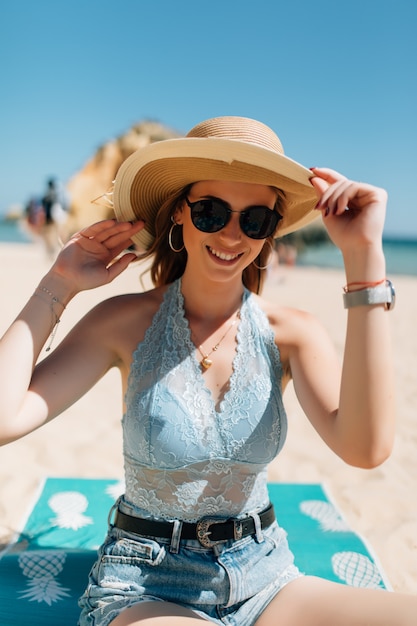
point(240, 129)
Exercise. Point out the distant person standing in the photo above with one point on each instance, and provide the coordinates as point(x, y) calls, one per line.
point(55, 205)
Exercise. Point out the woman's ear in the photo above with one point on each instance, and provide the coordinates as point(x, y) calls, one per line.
point(178, 213)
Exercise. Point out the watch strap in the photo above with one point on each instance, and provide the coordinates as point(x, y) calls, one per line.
point(381, 294)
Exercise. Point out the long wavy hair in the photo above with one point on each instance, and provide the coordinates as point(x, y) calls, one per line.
point(167, 265)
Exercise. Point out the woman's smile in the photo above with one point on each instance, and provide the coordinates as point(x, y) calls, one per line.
point(224, 256)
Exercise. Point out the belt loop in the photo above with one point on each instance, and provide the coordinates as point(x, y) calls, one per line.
point(176, 536)
point(114, 508)
point(258, 528)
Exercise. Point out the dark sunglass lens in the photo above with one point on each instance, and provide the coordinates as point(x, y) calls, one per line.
point(259, 222)
point(208, 216)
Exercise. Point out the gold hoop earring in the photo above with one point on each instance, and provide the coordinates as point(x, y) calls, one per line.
point(264, 267)
point(174, 223)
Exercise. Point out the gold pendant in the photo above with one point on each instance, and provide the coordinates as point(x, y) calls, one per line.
point(206, 363)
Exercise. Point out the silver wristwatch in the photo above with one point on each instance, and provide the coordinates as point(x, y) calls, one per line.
point(382, 294)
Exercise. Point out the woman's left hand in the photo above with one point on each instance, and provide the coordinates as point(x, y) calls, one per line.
point(353, 212)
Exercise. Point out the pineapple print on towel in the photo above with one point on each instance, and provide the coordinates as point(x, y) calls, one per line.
point(69, 507)
point(115, 490)
point(42, 567)
point(326, 514)
point(357, 570)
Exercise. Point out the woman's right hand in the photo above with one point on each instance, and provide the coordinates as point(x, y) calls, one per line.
point(91, 257)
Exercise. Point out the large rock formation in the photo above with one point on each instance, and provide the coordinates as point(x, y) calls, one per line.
point(96, 177)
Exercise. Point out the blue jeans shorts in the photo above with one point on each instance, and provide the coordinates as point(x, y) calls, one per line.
point(230, 584)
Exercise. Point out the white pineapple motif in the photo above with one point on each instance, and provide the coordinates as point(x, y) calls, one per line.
point(116, 490)
point(357, 570)
point(326, 514)
point(69, 507)
point(42, 566)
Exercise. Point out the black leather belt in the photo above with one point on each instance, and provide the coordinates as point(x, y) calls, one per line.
point(209, 531)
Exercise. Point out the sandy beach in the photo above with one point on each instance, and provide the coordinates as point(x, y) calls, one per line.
point(380, 504)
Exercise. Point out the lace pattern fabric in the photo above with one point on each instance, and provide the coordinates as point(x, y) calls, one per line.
point(183, 458)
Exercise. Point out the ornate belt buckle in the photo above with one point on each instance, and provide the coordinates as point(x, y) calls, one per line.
point(203, 531)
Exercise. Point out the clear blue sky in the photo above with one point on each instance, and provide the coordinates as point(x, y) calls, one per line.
point(337, 80)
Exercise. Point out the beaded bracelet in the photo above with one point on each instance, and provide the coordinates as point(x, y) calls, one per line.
point(55, 318)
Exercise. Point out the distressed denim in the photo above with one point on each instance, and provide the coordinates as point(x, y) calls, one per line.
point(230, 584)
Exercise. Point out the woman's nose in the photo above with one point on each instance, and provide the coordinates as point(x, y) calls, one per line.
point(232, 229)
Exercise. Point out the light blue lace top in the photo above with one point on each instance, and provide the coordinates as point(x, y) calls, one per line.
point(183, 458)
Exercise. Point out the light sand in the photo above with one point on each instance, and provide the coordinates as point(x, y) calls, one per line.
point(380, 504)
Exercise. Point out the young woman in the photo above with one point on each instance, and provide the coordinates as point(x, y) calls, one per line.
point(204, 362)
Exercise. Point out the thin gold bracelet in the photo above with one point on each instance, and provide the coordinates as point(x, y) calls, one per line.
point(55, 317)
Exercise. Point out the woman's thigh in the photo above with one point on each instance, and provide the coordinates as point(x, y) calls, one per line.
point(315, 602)
point(157, 614)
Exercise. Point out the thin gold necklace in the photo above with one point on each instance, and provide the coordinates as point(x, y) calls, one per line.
point(205, 361)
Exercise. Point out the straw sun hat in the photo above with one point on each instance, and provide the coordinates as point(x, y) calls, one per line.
point(235, 149)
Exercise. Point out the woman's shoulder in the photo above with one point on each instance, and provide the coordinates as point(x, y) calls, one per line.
point(291, 326)
point(125, 314)
point(279, 314)
point(139, 303)
point(121, 321)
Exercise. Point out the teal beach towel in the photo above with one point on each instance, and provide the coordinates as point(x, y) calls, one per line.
point(44, 570)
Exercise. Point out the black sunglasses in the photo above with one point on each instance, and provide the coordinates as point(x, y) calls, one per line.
point(212, 214)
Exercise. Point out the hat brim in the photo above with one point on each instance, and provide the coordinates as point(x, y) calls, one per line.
point(152, 174)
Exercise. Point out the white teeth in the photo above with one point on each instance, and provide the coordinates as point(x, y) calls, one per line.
point(223, 256)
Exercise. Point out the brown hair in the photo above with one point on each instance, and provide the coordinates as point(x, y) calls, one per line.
point(168, 265)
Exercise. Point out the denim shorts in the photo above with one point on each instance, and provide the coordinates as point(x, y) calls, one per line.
point(230, 584)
